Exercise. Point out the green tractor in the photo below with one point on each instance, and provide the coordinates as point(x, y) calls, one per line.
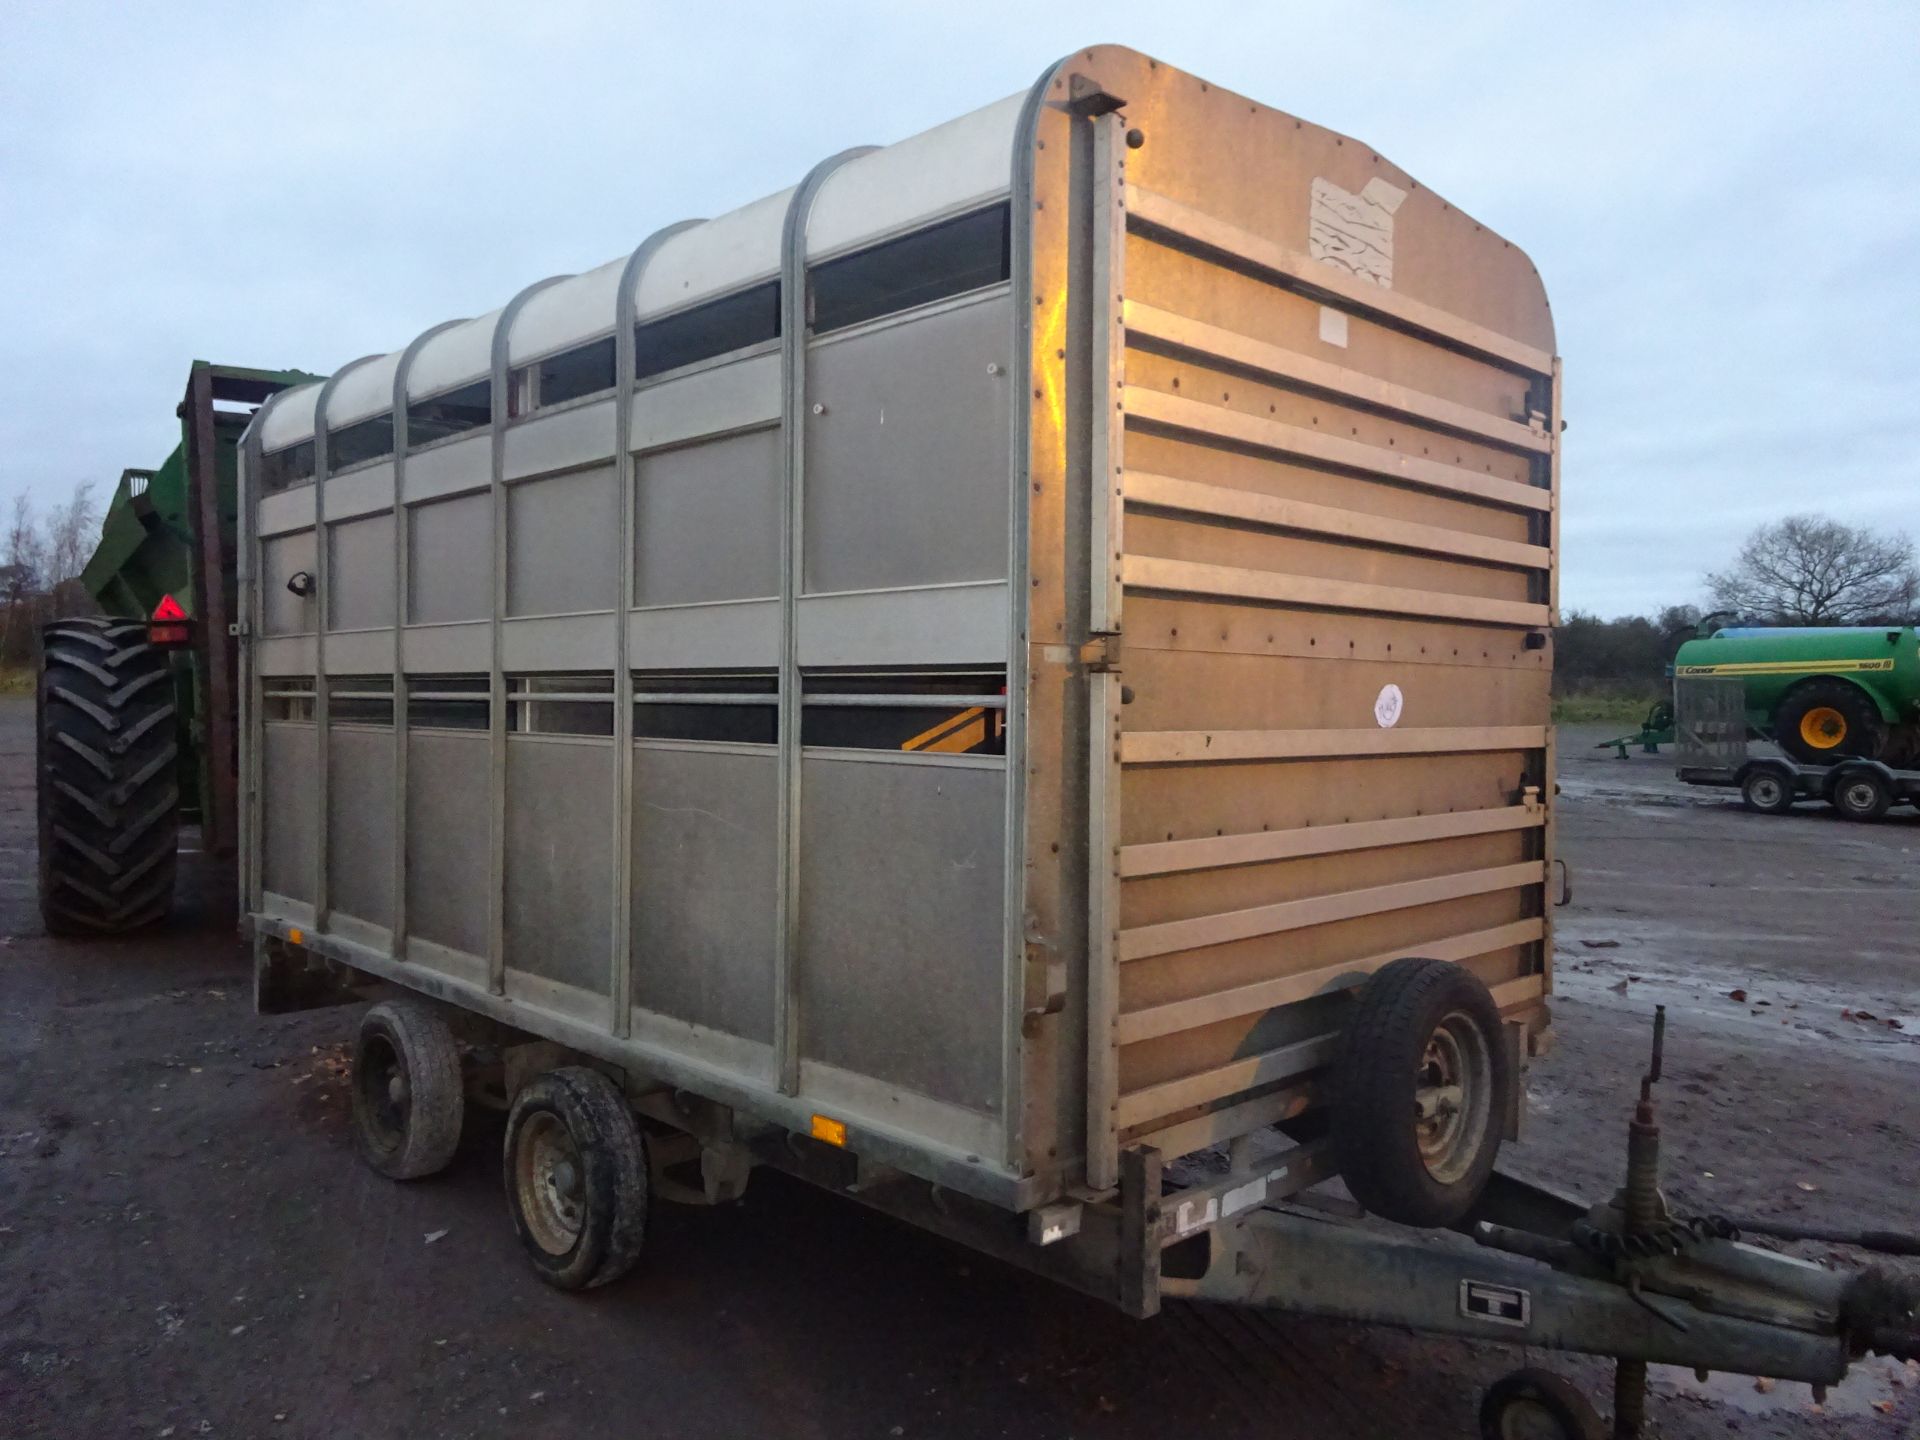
point(1822, 694)
point(138, 706)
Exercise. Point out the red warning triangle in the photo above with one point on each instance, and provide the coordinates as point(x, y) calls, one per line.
point(168, 609)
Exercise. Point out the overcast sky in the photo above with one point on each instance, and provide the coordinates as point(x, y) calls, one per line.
point(1724, 201)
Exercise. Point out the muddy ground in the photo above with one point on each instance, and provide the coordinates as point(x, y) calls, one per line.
point(188, 1247)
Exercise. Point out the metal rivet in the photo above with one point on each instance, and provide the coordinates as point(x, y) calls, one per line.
point(993, 367)
point(818, 408)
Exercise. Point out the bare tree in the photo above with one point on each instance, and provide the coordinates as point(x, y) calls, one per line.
point(41, 557)
point(23, 578)
point(1809, 570)
point(73, 530)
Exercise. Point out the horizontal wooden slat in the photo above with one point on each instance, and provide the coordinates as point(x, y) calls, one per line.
point(1522, 991)
point(1213, 342)
point(1212, 852)
point(1180, 747)
point(1233, 582)
point(1225, 502)
point(1219, 422)
point(1255, 999)
point(1394, 308)
point(1145, 941)
point(1137, 1106)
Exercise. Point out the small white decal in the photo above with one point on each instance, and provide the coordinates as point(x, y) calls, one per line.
point(1333, 326)
point(1186, 1219)
point(1241, 1196)
point(1496, 1304)
point(1387, 706)
point(1355, 232)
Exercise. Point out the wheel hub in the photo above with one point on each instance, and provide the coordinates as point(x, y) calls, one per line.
point(1452, 1097)
point(382, 1075)
point(550, 1184)
point(1530, 1420)
point(1823, 727)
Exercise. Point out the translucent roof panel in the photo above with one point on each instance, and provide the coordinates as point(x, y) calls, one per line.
point(290, 420)
point(722, 254)
point(936, 172)
point(454, 357)
point(362, 391)
point(939, 172)
point(575, 309)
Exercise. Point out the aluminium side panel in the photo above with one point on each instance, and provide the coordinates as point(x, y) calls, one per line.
point(615, 881)
point(1335, 555)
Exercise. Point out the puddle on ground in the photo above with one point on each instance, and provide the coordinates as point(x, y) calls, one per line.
point(1872, 1382)
point(1777, 1008)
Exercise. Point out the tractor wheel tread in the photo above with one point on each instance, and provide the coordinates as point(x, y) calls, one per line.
point(108, 763)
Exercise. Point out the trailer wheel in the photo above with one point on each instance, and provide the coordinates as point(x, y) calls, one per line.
point(108, 795)
point(1860, 793)
point(1419, 1089)
point(1821, 721)
point(1533, 1404)
point(408, 1097)
point(1766, 789)
point(576, 1173)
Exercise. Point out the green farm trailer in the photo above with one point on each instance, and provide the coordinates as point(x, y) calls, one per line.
point(1822, 693)
point(137, 705)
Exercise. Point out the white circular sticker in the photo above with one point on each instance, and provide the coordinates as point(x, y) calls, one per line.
point(1387, 706)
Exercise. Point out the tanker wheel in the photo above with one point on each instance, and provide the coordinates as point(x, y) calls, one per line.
point(109, 796)
point(1420, 1091)
point(408, 1096)
point(1823, 721)
point(1533, 1404)
point(577, 1181)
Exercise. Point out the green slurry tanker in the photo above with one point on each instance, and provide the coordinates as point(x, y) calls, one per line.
point(137, 705)
point(1823, 694)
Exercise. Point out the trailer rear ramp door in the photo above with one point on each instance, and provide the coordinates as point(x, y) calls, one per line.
point(1320, 598)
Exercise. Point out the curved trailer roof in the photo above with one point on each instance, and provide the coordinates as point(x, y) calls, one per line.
point(868, 195)
point(944, 171)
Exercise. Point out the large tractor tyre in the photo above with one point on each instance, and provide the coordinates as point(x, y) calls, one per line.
point(1824, 721)
point(109, 796)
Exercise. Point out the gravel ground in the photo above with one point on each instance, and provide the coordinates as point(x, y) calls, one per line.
point(188, 1247)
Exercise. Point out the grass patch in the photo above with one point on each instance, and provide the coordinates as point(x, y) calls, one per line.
point(17, 681)
point(1626, 711)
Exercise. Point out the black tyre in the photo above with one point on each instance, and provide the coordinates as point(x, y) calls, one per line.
point(1767, 789)
point(1420, 1092)
point(109, 795)
point(1860, 792)
point(1535, 1404)
point(408, 1097)
point(576, 1173)
point(1823, 721)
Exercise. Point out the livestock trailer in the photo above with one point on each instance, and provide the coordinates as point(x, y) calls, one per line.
point(1009, 678)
